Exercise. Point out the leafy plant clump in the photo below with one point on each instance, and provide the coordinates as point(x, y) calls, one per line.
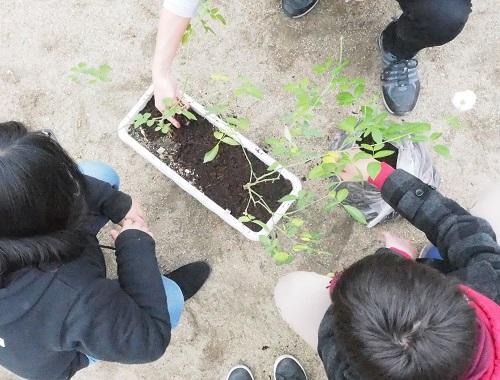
point(91, 74)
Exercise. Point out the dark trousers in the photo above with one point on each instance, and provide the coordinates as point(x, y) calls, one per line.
point(425, 23)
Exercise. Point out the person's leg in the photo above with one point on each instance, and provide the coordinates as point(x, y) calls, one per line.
point(175, 306)
point(302, 299)
point(105, 173)
point(424, 23)
point(488, 207)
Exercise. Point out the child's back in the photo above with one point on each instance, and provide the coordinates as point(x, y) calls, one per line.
point(57, 307)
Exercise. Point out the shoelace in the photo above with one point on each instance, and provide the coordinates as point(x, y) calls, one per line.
point(400, 71)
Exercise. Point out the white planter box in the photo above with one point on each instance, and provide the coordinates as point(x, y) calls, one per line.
point(232, 220)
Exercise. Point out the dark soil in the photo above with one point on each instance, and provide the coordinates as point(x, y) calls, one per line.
point(391, 160)
point(222, 179)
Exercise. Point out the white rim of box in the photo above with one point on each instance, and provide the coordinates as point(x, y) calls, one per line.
point(192, 190)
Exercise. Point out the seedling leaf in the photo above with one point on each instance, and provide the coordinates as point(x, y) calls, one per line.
point(211, 154)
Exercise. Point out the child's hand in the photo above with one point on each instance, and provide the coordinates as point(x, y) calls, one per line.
point(130, 225)
point(358, 170)
point(135, 214)
point(394, 241)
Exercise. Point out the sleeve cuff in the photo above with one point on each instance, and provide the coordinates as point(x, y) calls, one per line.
point(117, 206)
point(182, 8)
point(385, 172)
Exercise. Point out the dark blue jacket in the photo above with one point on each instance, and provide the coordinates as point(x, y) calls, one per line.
point(51, 317)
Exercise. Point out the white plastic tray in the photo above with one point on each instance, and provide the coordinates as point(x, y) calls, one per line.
point(225, 215)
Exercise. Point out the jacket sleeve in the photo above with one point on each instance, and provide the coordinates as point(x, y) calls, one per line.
point(102, 199)
point(124, 320)
point(467, 242)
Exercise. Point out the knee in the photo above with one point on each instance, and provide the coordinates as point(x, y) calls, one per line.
point(448, 17)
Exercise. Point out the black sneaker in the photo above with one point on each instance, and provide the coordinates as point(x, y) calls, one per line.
point(240, 372)
point(190, 277)
point(287, 367)
point(400, 82)
point(298, 8)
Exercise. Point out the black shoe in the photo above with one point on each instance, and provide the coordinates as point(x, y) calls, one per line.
point(287, 367)
point(240, 372)
point(190, 277)
point(298, 8)
point(400, 82)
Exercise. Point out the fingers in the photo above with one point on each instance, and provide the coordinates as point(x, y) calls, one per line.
point(114, 234)
point(174, 122)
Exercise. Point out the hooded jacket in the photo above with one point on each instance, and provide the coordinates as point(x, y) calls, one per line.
point(53, 316)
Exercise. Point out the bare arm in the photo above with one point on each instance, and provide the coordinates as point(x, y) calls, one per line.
point(170, 31)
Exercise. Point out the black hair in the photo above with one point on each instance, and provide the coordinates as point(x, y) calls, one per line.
point(42, 200)
point(396, 319)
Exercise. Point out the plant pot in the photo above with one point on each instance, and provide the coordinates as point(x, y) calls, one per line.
point(124, 134)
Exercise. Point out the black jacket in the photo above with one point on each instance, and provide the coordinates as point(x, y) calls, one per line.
point(467, 243)
point(51, 317)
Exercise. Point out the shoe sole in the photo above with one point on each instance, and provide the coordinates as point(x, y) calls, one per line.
point(287, 357)
point(242, 367)
point(306, 12)
point(381, 50)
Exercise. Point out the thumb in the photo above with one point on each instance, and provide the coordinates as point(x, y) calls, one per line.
point(114, 234)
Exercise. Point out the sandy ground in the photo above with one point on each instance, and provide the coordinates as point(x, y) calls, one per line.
point(234, 318)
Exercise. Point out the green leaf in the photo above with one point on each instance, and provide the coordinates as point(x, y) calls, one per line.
point(189, 115)
point(383, 153)
point(374, 169)
point(288, 198)
point(453, 122)
point(361, 156)
point(436, 136)
point(211, 154)
point(359, 89)
point(442, 150)
point(219, 135)
point(282, 258)
point(150, 123)
point(219, 77)
point(344, 98)
point(317, 172)
point(230, 141)
point(342, 195)
point(300, 248)
point(348, 124)
point(377, 136)
point(355, 214)
point(241, 123)
point(297, 222)
point(246, 218)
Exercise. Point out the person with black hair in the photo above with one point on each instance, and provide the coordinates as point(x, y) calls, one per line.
point(59, 312)
point(389, 316)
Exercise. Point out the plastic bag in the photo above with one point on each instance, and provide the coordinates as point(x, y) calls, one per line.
point(412, 157)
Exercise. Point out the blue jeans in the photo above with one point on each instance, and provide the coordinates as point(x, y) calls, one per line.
point(104, 172)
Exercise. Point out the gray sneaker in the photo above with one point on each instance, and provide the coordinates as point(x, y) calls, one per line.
point(240, 372)
point(400, 82)
point(287, 367)
point(298, 8)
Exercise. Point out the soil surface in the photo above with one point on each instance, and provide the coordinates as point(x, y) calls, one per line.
point(222, 179)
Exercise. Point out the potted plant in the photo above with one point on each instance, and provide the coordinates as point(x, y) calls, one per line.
point(218, 166)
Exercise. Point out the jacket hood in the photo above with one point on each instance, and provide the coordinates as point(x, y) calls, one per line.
point(21, 293)
point(488, 313)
